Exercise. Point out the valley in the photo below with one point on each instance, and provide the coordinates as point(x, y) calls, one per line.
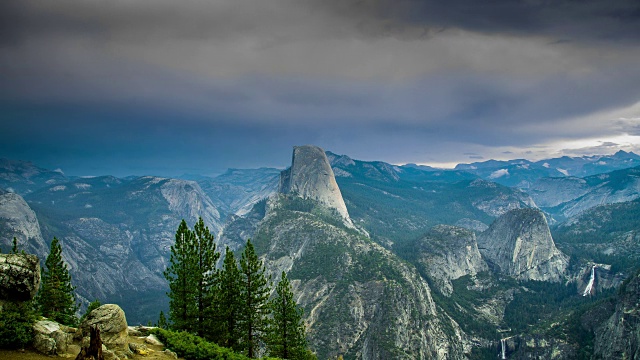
point(489, 260)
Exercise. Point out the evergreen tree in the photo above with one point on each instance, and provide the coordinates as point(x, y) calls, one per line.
point(181, 275)
point(56, 299)
point(191, 276)
point(227, 305)
point(14, 247)
point(254, 293)
point(162, 321)
point(285, 336)
point(16, 324)
point(205, 273)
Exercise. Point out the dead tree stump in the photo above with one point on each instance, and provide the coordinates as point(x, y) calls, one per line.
point(94, 350)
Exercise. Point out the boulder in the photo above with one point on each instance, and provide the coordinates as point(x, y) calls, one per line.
point(153, 340)
point(52, 338)
point(19, 277)
point(112, 323)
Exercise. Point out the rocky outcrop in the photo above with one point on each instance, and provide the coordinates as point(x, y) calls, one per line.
point(112, 323)
point(619, 336)
point(311, 177)
point(19, 277)
point(447, 253)
point(18, 220)
point(520, 245)
point(187, 199)
point(52, 338)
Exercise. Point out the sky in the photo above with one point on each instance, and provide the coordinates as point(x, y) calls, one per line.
point(168, 87)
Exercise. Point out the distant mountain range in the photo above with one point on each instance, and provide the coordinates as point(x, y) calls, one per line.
point(523, 173)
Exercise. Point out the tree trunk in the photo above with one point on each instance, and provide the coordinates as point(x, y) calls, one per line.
point(94, 350)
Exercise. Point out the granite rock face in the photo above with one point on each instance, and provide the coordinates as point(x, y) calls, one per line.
point(311, 177)
point(18, 220)
point(519, 244)
point(448, 253)
point(619, 337)
point(19, 277)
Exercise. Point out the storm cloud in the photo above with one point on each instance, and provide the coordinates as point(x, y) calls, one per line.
point(203, 85)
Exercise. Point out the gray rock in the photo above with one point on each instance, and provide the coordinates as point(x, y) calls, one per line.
point(52, 338)
point(111, 321)
point(170, 353)
point(153, 340)
point(19, 277)
point(18, 220)
point(44, 344)
point(448, 253)
point(619, 336)
point(519, 244)
point(109, 355)
point(311, 177)
point(140, 349)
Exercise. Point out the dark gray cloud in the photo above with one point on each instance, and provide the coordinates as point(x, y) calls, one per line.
point(400, 81)
point(564, 20)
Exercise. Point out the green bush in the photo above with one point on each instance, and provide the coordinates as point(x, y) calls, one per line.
point(193, 347)
point(16, 325)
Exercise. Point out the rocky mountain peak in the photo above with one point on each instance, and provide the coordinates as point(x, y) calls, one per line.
point(311, 177)
point(519, 244)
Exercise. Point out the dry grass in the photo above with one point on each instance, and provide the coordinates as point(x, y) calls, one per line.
point(22, 355)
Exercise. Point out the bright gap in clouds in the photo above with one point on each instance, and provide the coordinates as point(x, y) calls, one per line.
point(601, 146)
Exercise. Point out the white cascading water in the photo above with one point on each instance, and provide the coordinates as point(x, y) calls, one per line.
point(589, 288)
point(503, 351)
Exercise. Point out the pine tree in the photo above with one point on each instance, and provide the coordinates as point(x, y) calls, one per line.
point(191, 276)
point(181, 275)
point(205, 273)
point(56, 299)
point(227, 305)
point(14, 247)
point(162, 321)
point(254, 292)
point(285, 336)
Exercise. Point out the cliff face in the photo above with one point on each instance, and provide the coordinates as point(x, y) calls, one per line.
point(116, 234)
point(519, 244)
point(311, 177)
point(447, 253)
point(18, 220)
point(619, 337)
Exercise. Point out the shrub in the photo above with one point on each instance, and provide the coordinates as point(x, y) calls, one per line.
point(16, 325)
point(193, 347)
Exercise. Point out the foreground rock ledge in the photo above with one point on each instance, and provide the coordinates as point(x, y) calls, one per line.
point(19, 277)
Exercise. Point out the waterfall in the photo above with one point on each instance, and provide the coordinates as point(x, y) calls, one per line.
point(589, 288)
point(503, 351)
